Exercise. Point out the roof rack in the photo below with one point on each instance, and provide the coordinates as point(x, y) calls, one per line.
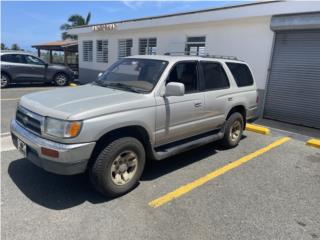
point(221, 57)
point(204, 56)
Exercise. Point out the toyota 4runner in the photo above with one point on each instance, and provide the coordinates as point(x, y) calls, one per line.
point(142, 107)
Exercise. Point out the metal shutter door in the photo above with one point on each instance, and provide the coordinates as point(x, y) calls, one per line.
point(293, 91)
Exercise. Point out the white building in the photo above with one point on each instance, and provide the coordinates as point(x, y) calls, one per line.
point(280, 40)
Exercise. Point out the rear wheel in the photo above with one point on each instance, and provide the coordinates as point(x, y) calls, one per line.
point(118, 167)
point(5, 80)
point(233, 130)
point(61, 79)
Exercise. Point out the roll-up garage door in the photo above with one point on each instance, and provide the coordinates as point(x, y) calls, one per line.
point(293, 91)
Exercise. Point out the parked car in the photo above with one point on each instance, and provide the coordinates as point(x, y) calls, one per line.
point(142, 107)
point(19, 67)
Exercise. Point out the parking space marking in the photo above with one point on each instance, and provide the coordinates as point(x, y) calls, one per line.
point(200, 181)
point(9, 99)
point(6, 144)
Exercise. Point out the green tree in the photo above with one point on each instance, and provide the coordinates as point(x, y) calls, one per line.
point(15, 47)
point(3, 46)
point(74, 21)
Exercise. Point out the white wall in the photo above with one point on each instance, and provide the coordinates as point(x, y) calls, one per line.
point(249, 40)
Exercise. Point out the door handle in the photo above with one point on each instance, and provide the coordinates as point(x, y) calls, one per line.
point(199, 104)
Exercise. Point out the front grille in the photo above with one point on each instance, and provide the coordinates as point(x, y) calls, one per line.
point(29, 120)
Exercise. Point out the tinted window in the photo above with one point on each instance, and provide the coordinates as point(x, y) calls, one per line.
point(14, 58)
point(214, 76)
point(186, 73)
point(241, 74)
point(33, 60)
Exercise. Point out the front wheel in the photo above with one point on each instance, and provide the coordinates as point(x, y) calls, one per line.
point(61, 79)
point(233, 130)
point(118, 167)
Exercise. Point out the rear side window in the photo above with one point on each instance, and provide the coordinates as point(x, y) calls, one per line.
point(214, 76)
point(241, 74)
point(7, 58)
point(14, 58)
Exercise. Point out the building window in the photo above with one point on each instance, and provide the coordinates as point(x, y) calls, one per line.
point(241, 74)
point(195, 46)
point(214, 76)
point(102, 51)
point(87, 51)
point(147, 46)
point(125, 46)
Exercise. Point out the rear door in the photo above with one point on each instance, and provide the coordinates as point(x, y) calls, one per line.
point(179, 117)
point(14, 64)
point(217, 92)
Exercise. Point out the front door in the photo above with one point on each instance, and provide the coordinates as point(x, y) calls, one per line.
point(35, 68)
point(179, 117)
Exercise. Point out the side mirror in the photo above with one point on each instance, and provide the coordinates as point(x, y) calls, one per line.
point(174, 89)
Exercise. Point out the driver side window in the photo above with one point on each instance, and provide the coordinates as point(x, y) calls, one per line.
point(186, 73)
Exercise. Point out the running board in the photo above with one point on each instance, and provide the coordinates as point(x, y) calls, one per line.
point(171, 149)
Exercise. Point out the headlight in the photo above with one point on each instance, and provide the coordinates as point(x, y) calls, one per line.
point(61, 128)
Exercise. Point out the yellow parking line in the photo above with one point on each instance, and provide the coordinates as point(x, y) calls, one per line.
point(314, 142)
point(197, 183)
point(257, 129)
point(9, 99)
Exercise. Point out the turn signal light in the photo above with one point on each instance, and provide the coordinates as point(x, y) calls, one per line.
point(49, 152)
point(74, 129)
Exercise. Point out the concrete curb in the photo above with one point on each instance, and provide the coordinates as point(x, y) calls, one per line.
point(257, 129)
point(313, 142)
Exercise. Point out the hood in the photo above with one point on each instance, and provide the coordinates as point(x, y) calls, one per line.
point(83, 102)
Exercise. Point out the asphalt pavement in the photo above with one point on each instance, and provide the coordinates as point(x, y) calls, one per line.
point(257, 190)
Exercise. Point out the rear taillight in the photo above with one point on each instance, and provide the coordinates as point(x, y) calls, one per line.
point(257, 99)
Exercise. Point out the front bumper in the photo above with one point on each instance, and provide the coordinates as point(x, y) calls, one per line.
point(73, 158)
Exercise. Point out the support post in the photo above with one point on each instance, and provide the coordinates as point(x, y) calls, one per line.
point(65, 56)
point(39, 53)
point(50, 52)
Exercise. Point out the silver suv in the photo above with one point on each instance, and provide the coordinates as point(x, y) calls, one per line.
point(142, 107)
point(18, 67)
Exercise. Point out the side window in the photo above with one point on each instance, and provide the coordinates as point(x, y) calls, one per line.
point(241, 74)
point(6, 58)
point(13, 58)
point(186, 73)
point(214, 76)
point(33, 60)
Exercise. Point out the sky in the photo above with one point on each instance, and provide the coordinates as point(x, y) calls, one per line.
point(34, 22)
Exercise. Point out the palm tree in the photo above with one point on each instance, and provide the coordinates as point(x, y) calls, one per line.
point(73, 21)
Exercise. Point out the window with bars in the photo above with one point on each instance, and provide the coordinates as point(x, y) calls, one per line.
point(125, 46)
point(195, 45)
point(102, 51)
point(147, 46)
point(87, 51)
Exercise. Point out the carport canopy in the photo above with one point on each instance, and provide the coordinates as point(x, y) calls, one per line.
point(67, 46)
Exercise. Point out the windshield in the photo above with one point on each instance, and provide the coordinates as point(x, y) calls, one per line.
point(131, 74)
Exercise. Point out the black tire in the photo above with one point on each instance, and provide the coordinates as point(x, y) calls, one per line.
point(101, 175)
point(5, 80)
point(229, 140)
point(61, 79)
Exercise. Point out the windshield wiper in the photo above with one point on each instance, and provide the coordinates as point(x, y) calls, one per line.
point(122, 86)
